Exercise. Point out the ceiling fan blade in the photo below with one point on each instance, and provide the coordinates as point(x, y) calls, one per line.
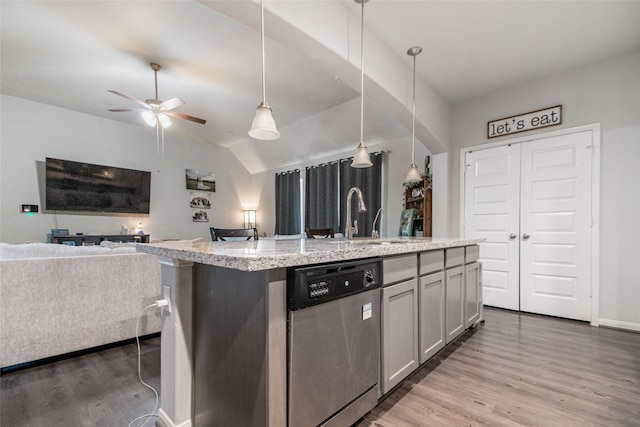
point(170, 104)
point(186, 117)
point(121, 110)
point(144, 104)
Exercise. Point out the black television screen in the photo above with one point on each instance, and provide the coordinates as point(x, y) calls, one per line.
point(84, 187)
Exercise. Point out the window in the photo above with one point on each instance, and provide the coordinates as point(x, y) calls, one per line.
point(322, 196)
point(327, 186)
point(288, 215)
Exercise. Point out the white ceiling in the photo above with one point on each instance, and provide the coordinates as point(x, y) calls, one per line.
point(68, 54)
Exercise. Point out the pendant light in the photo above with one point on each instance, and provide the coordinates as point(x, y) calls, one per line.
point(361, 159)
point(413, 175)
point(263, 126)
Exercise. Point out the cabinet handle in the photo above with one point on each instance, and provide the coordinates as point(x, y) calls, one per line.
point(525, 236)
point(512, 236)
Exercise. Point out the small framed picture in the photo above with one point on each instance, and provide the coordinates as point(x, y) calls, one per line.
point(203, 181)
point(406, 222)
point(200, 200)
point(200, 216)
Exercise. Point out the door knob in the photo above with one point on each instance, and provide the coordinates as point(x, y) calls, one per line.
point(512, 236)
point(525, 236)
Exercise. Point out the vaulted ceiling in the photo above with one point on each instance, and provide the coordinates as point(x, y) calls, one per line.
point(68, 54)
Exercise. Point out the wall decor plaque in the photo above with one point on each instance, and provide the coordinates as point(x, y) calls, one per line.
point(551, 116)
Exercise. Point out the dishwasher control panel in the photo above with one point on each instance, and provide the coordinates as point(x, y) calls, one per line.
point(309, 286)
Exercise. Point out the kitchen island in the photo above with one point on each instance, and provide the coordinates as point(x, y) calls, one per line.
point(241, 290)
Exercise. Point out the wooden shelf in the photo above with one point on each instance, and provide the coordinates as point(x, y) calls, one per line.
point(422, 205)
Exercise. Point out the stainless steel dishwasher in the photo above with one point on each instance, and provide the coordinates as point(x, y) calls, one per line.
point(333, 342)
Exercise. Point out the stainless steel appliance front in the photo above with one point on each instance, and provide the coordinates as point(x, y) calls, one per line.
point(333, 355)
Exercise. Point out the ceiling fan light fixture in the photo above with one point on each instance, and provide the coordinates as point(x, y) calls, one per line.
point(361, 159)
point(264, 126)
point(164, 120)
point(149, 117)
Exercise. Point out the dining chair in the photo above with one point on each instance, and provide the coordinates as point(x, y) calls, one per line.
point(315, 233)
point(221, 234)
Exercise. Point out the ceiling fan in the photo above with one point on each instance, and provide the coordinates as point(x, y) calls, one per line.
point(155, 111)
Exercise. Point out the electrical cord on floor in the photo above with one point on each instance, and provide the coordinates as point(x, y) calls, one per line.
point(159, 303)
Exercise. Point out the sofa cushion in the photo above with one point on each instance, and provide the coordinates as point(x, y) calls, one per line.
point(47, 250)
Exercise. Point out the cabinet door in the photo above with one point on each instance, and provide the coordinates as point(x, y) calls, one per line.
point(399, 332)
point(471, 294)
point(431, 293)
point(454, 297)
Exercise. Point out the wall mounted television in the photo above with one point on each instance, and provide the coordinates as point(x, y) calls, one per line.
point(85, 187)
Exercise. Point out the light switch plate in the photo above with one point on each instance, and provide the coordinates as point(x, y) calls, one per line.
point(29, 209)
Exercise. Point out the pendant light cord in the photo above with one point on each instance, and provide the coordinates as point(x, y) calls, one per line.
point(413, 124)
point(362, 75)
point(155, 73)
point(264, 91)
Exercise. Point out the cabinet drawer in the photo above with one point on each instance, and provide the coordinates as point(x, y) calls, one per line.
point(431, 261)
point(396, 269)
point(453, 257)
point(471, 254)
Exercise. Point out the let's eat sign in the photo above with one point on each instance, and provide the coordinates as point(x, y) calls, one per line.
point(551, 116)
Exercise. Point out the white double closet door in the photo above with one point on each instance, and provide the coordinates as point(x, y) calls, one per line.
point(531, 201)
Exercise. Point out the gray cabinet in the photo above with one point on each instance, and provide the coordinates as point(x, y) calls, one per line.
point(399, 320)
point(427, 302)
point(473, 294)
point(454, 294)
point(432, 333)
point(473, 286)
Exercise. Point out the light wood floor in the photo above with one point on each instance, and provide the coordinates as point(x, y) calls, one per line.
point(98, 389)
point(523, 370)
point(516, 370)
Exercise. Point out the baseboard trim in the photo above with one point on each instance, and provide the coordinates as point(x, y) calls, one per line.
point(59, 357)
point(164, 421)
point(635, 327)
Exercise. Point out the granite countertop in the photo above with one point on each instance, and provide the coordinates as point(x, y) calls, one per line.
point(266, 254)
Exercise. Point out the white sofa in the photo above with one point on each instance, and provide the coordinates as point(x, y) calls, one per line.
point(56, 299)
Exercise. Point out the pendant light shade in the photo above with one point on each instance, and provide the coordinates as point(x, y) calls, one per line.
point(413, 175)
point(263, 126)
point(361, 159)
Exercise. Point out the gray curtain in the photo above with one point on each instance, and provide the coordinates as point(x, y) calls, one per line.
point(288, 216)
point(321, 195)
point(369, 181)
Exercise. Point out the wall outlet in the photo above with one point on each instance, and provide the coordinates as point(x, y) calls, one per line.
point(166, 294)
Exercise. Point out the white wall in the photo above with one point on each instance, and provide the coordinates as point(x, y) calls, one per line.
point(32, 131)
point(607, 93)
point(399, 160)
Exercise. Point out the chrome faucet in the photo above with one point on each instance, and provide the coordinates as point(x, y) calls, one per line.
point(350, 230)
point(375, 234)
